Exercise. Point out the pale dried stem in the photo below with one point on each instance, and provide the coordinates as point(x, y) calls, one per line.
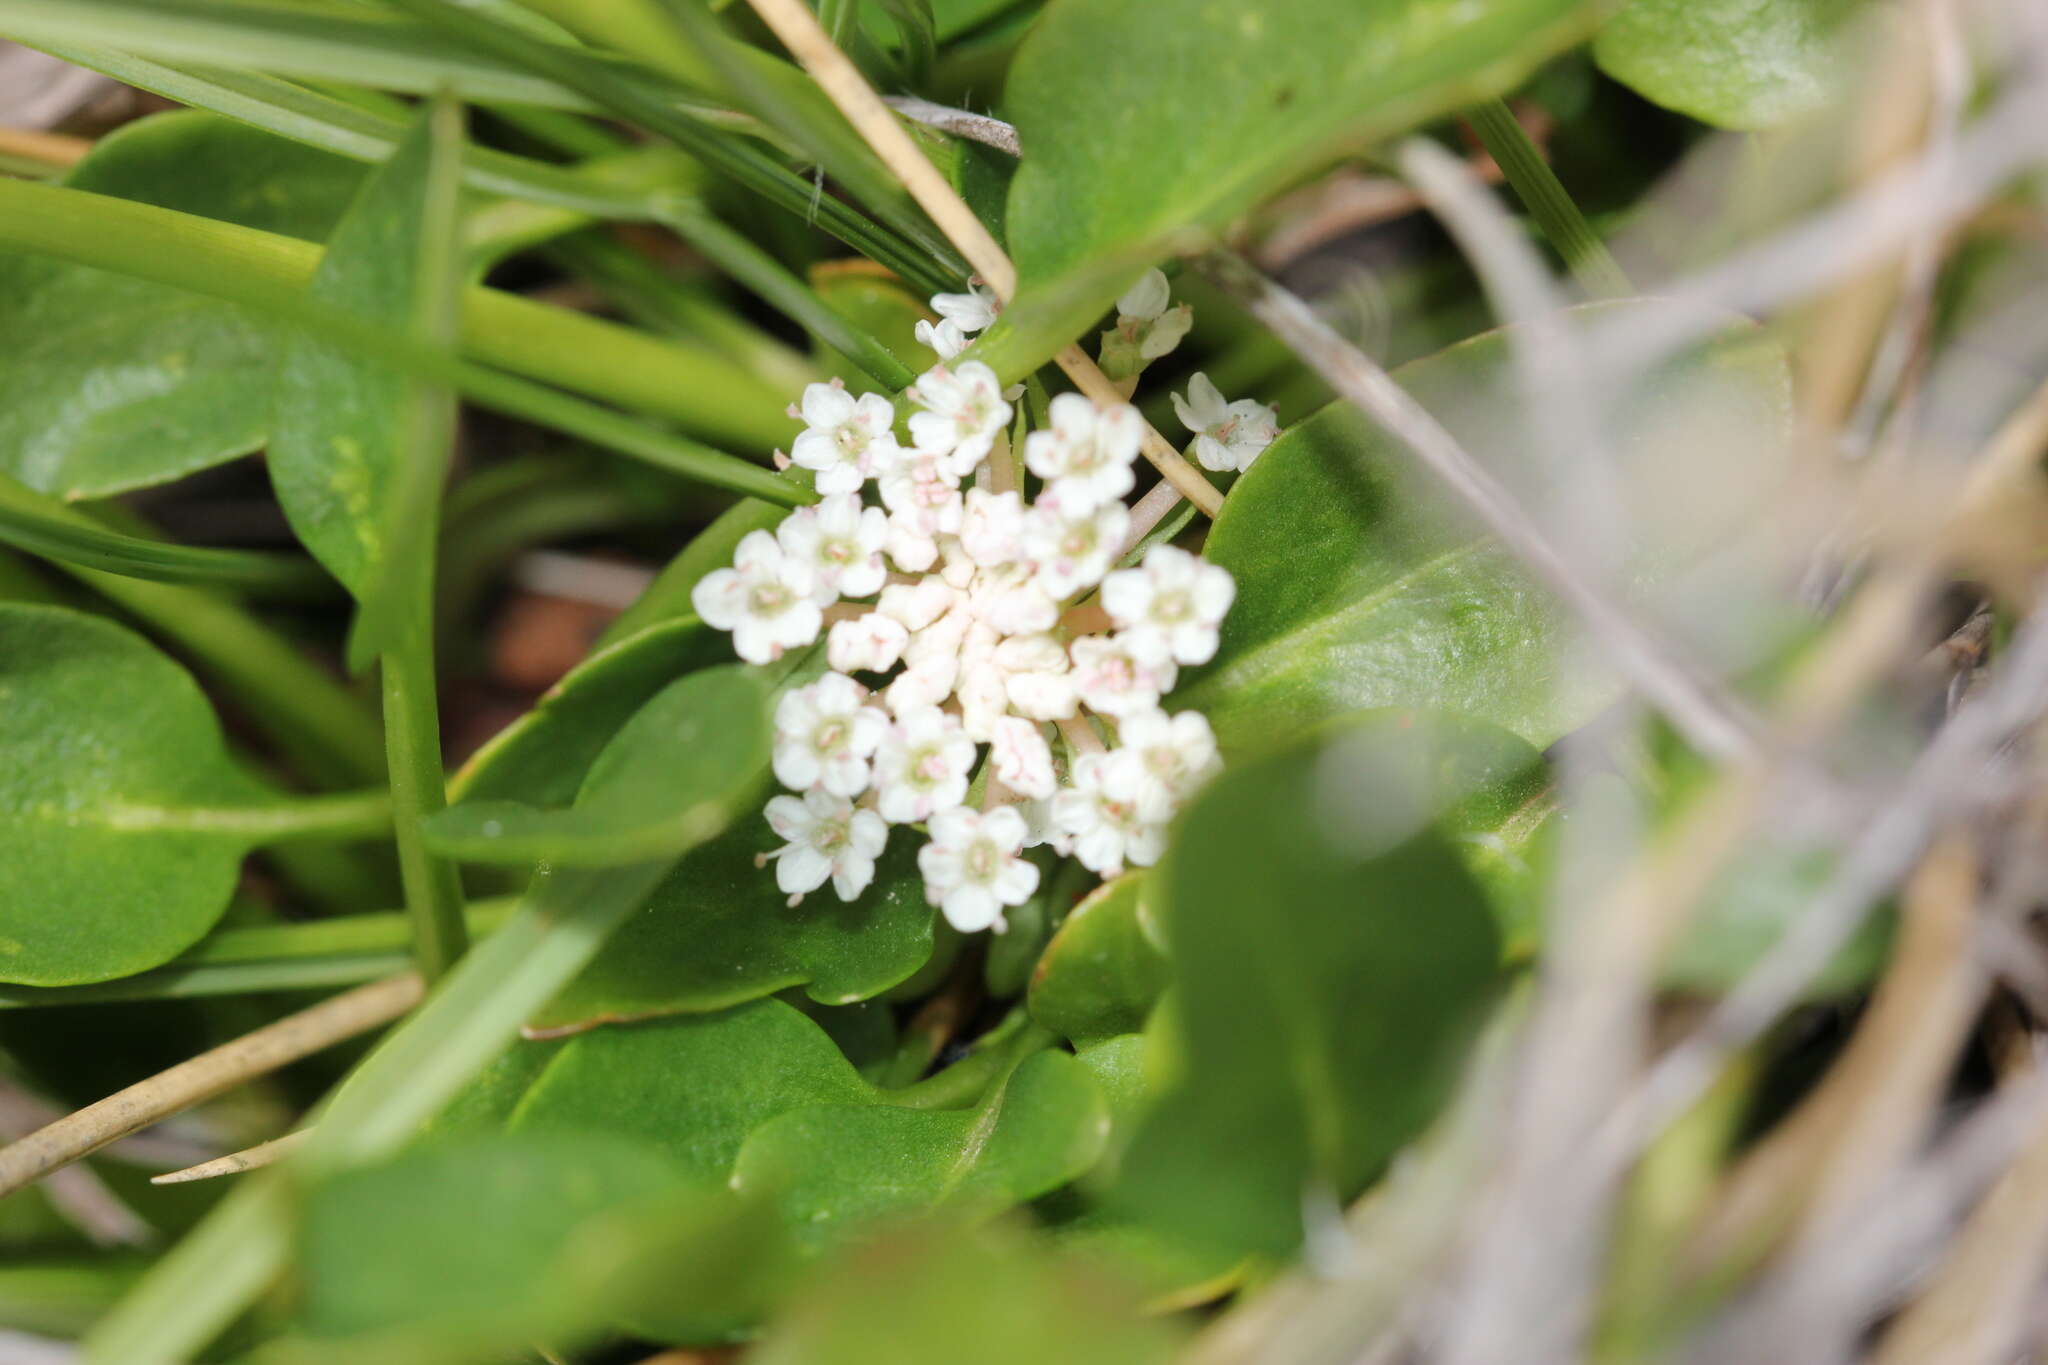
point(806, 39)
point(1080, 735)
point(56, 150)
point(1981, 1299)
point(1147, 512)
point(201, 1078)
point(1865, 1117)
point(234, 1163)
point(990, 132)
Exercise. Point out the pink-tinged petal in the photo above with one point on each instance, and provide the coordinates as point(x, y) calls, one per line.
point(852, 875)
point(720, 599)
point(789, 817)
point(940, 866)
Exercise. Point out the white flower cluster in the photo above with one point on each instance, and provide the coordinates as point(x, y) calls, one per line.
point(975, 617)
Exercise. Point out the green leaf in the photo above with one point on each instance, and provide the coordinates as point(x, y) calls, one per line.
point(1331, 958)
point(694, 1086)
point(1732, 63)
point(1142, 120)
point(117, 383)
point(542, 757)
point(632, 807)
point(1358, 586)
point(836, 1169)
point(1103, 971)
point(113, 787)
point(343, 424)
point(467, 1237)
point(718, 932)
point(943, 1295)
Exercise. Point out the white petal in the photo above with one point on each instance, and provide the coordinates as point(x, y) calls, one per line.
point(970, 908)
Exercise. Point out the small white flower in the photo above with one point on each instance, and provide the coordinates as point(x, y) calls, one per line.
point(824, 734)
point(828, 838)
point(1175, 596)
point(992, 527)
point(764, 600)
point(972, 869)
point(970, 312)
point(923, 498)
point(847, 440)
point(1114, 813)
point(1037, 677)
point(963, 413)
point(1073, 550)
point(944, 337)
point(918, 604)
point(1121, 675)
point(840, 542)
point(922, 686)
point(1041, 696)
point(1012, 602)
point(1178, 752)
point(868, 644)
point(1021, 759)
point(1085, 456)
point(1227, 435)
point(921, 766)
point(1142, 312)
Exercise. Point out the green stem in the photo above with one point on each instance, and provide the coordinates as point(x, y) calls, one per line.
point(345, 950)
point(412, 726)
point(268, 272)
point(688, 382)
point(42, 525)
point(783, 291)
point(322, 727)
point(646, 293)
point(1538, 187)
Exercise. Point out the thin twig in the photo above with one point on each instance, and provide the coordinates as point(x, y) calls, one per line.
point(1977, 1306)
point(842, 81)
point(1710, 722)
point(201, 1078)
point(234, 1163)
point(990, 132)
point(1890, 845)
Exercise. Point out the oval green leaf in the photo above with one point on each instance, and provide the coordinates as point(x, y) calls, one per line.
point(1105, 968)
point(1358, 587)
point(1140, 120)
point(126, 383)
point(632, 807)
point(718, 932)
point(1732, 63)
point(113, 779)
point(542, 757)
point(694, 1086)
point(838, 1169)
point(1330, 965)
